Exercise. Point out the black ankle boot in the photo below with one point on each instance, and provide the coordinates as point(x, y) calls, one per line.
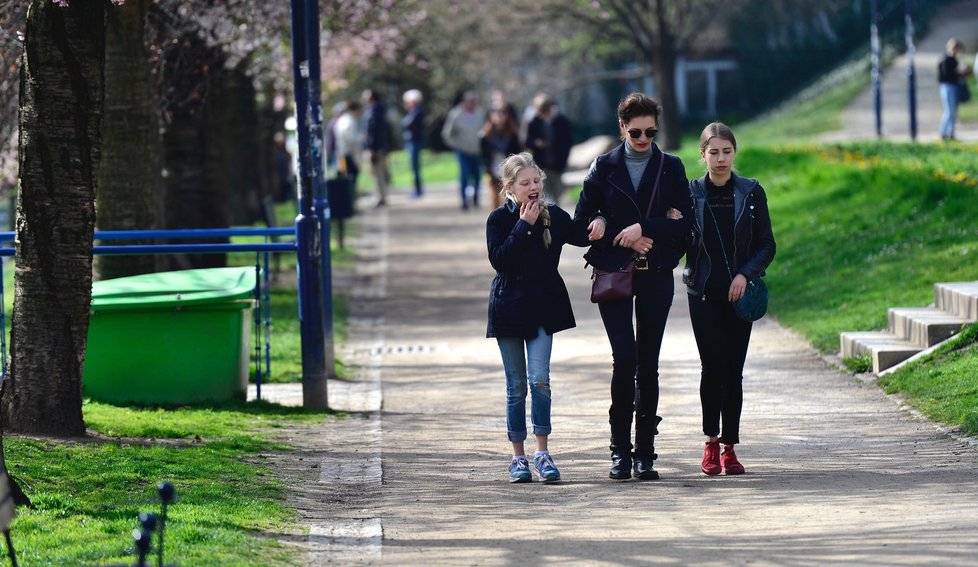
point(621, 465)
point(644, 469)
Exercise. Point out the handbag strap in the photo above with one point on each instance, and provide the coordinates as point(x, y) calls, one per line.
point(716, 225)
point(655, 186)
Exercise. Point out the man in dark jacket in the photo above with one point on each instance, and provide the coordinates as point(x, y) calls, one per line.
point(412, 125)
point(376, 141)
point(549, 137)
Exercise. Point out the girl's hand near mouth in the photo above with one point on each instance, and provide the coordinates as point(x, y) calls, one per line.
point(530, 210)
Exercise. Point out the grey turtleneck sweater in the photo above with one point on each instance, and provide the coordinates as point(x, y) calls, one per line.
point(636, 162)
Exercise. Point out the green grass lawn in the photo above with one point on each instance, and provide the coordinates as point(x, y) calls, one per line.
point(863, 227)
point(943, 385)
point(89, 494)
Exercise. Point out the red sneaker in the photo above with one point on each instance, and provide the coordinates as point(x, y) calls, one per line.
point(729, 462)
point(711, 459)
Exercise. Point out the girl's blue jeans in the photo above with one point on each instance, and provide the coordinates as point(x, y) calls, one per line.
point(949, 96)
point(527, 361)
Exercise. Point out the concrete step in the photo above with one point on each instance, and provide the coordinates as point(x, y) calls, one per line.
point(923, 326)
point(885, 349)
point(958, 298)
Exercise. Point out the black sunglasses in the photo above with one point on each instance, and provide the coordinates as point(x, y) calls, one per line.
point(635, 133)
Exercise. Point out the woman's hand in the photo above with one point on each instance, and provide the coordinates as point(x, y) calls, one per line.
point(737, 287)
point(596, 228)
point(529, 211)
point(629, 235)
point(674, 214)
point(642, 245)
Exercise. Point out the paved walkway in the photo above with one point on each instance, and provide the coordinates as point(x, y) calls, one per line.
point(958, 20)
point(837, 471)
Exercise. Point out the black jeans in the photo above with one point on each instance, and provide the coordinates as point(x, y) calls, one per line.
point(635, 354)
point(722, 339)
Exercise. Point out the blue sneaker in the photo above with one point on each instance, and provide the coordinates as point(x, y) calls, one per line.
point(519, 470)
point(546, 468)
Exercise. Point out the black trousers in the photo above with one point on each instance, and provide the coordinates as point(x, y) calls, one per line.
point(635, 354)
point(722, 339)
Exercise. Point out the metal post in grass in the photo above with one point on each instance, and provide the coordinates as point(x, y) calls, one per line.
point(307, 229)
point(167, 494)
point(144, 538)
point(874, 43)
point(318, 160)
point(911, 73)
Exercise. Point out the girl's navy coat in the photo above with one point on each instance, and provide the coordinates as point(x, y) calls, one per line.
point(527, 292)
point(608, 192)
point(753, 243)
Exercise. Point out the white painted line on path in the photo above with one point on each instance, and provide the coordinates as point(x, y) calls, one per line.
point(347, 542)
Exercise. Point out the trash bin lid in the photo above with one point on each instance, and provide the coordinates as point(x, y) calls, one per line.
point(177, 289)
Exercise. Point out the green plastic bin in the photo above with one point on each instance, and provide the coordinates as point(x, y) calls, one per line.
point(170, 338)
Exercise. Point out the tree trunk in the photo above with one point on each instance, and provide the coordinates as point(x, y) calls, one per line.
point(128, 190)
point(195, 184)
point(664, 75)
point(60, 121)
point(242, 162)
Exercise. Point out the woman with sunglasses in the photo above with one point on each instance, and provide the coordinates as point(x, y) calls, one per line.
point(643, 195)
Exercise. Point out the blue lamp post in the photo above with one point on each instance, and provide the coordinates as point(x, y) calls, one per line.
point(911, 74)
point(318, 158)
point(308, 236)
point(874, 44)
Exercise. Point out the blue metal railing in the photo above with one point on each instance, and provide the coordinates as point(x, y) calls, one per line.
point(262, 250)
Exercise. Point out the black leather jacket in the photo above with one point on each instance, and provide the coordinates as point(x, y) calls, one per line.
point(754, 244)
point(608, 192)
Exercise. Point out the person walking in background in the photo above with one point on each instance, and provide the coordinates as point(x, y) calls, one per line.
point(332, 157)
point(284, 170)
point(498, 101)
point(412, 125)
point(550, 138)
point(377, 141)
point(732, 245)
point(461, 133)
point(529, 113)
point(644, 195)
point(950, 76)
point(349, 143)
point(528, 303)
point(500, 139)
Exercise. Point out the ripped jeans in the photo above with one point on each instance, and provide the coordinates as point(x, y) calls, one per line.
point(530, 366)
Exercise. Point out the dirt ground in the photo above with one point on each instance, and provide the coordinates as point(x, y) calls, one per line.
point(415, 473)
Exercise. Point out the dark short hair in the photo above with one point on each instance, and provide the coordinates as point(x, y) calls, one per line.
point(638, 104)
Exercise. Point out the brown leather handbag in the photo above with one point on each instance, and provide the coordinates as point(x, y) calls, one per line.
point(612, 285)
